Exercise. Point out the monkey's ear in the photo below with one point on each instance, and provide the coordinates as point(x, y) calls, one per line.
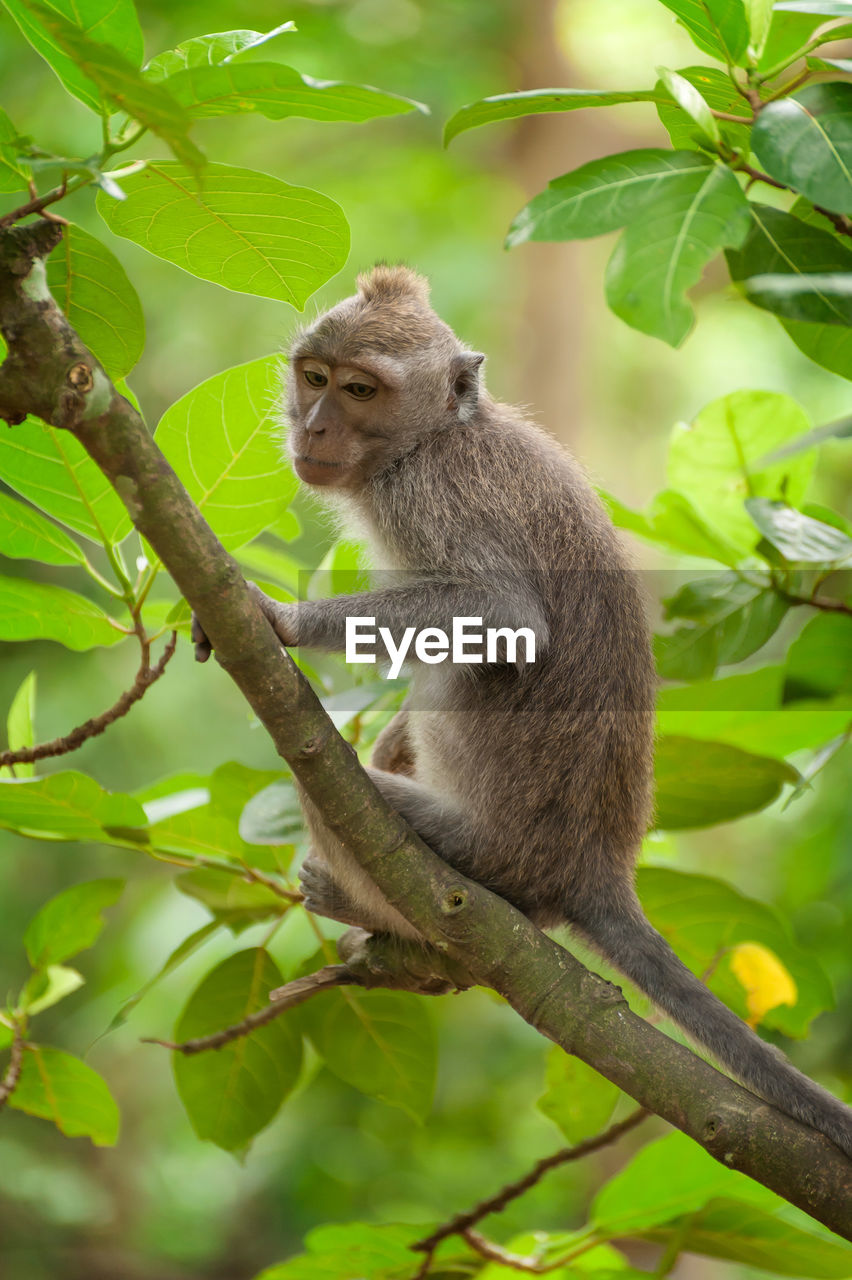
point(464, 384)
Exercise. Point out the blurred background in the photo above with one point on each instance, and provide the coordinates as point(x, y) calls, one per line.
point(161, 1204)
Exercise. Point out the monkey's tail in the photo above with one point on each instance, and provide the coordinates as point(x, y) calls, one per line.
point(630, 943)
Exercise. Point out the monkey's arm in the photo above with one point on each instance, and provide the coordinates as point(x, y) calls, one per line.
point(506, 602)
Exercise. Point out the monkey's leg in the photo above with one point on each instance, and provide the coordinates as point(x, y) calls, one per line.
point(392, 750)
point(323, 894)
point(440, 823)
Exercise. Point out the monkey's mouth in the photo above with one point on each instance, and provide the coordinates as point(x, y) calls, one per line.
point(315, 462)
point(318, 471)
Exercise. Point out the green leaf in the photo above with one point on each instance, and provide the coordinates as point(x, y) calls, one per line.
point(210, 50)
point(231, 900)
point(65, 806)
point(672, 521)
point(720, 95)
point(578, 1099)
point(222, 440)
point(116, 80)
point(353, 1251)
point(665, 1179)
point(717, 27)
point(272, 816)
point(745, 710)
point(90, 286)
point(704, 919)
point(70, 921)
point(62, 1088)
point(700, 784)
point(273, 90)
point(36, 611)
point(15, 173)
point(760, 1237)
point(380, 1042)
point(52, 469)
point(718, 460)
point(604, 195)
point(116, 25)
point(805, 141)
point(241, 229)
point(728, 620)
point(48, 986)
point(793, 268)
point(232, 1094)
point(759, 16)
point(690, 100)
point(799, 538)
point(819, 661)
point(25, 535)
point(20, 727)
point(663, 254)
point(509, 106)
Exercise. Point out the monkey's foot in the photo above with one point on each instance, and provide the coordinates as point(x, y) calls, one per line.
point(203, 647)
point(323, 896)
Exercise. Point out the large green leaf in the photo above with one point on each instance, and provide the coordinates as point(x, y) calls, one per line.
point(52, 469)
point(232, 1094)
point(793, 268)
point(718, 460)
point(717, 27)
point(381, 1042)
point(210, 50)
point(509, 106)
point(701, 783)
point(65, 806)
point(90, 286)
point(819, 661)
point(273, 90)
point(241, 229)
point(38, 611)
point(604, 195)
point(62, 1088)
point(70, 922)
point(704, 918)
point(663, 252)
point(14, 172)
point(798, 537)
point(118, 83)
point(726, 620)
point(759, 1237)
point(745, 710)
point(671, 521)
point(577, 1099)
point(222, 440)
point(116, 25)
point(805, 141)
point(26, 535)
point(720, 95)
point(665, 1179)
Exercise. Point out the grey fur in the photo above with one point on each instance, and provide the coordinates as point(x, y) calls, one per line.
point(537, 781)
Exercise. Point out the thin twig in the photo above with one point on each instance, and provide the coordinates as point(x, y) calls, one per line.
point(145, 677)
point(9, 1083)
point(37, 205)
point(726, 115)
point(841, 222)
point(286, 997)
point(757, 175)
point(493, 1252)
point(253, 876)
point(495, 1204)
point(816, 602)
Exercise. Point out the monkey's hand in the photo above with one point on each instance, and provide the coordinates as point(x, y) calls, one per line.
point(282, 618)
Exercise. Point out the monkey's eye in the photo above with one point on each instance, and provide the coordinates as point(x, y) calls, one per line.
point(314, 378)
point(360, 390)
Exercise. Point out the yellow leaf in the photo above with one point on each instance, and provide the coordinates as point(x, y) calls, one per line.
point(766, 981)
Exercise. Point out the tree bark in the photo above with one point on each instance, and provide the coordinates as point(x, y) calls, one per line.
point(476, 936)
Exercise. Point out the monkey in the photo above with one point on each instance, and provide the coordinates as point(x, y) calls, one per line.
point(533, 778)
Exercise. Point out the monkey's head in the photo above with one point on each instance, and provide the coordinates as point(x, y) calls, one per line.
point(374, 377)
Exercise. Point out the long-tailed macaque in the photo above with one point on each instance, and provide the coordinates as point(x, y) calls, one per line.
point(532, 777)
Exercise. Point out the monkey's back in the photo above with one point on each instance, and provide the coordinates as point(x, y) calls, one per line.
point(553, 762)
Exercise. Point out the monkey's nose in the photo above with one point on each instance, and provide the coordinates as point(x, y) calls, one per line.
point(317, 430)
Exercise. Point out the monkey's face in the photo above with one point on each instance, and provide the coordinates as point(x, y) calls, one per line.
point(343, 418)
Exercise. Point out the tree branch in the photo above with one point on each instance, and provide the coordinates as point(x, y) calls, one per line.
point(50, 373)
point(9, 1083)
point(145, 677)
